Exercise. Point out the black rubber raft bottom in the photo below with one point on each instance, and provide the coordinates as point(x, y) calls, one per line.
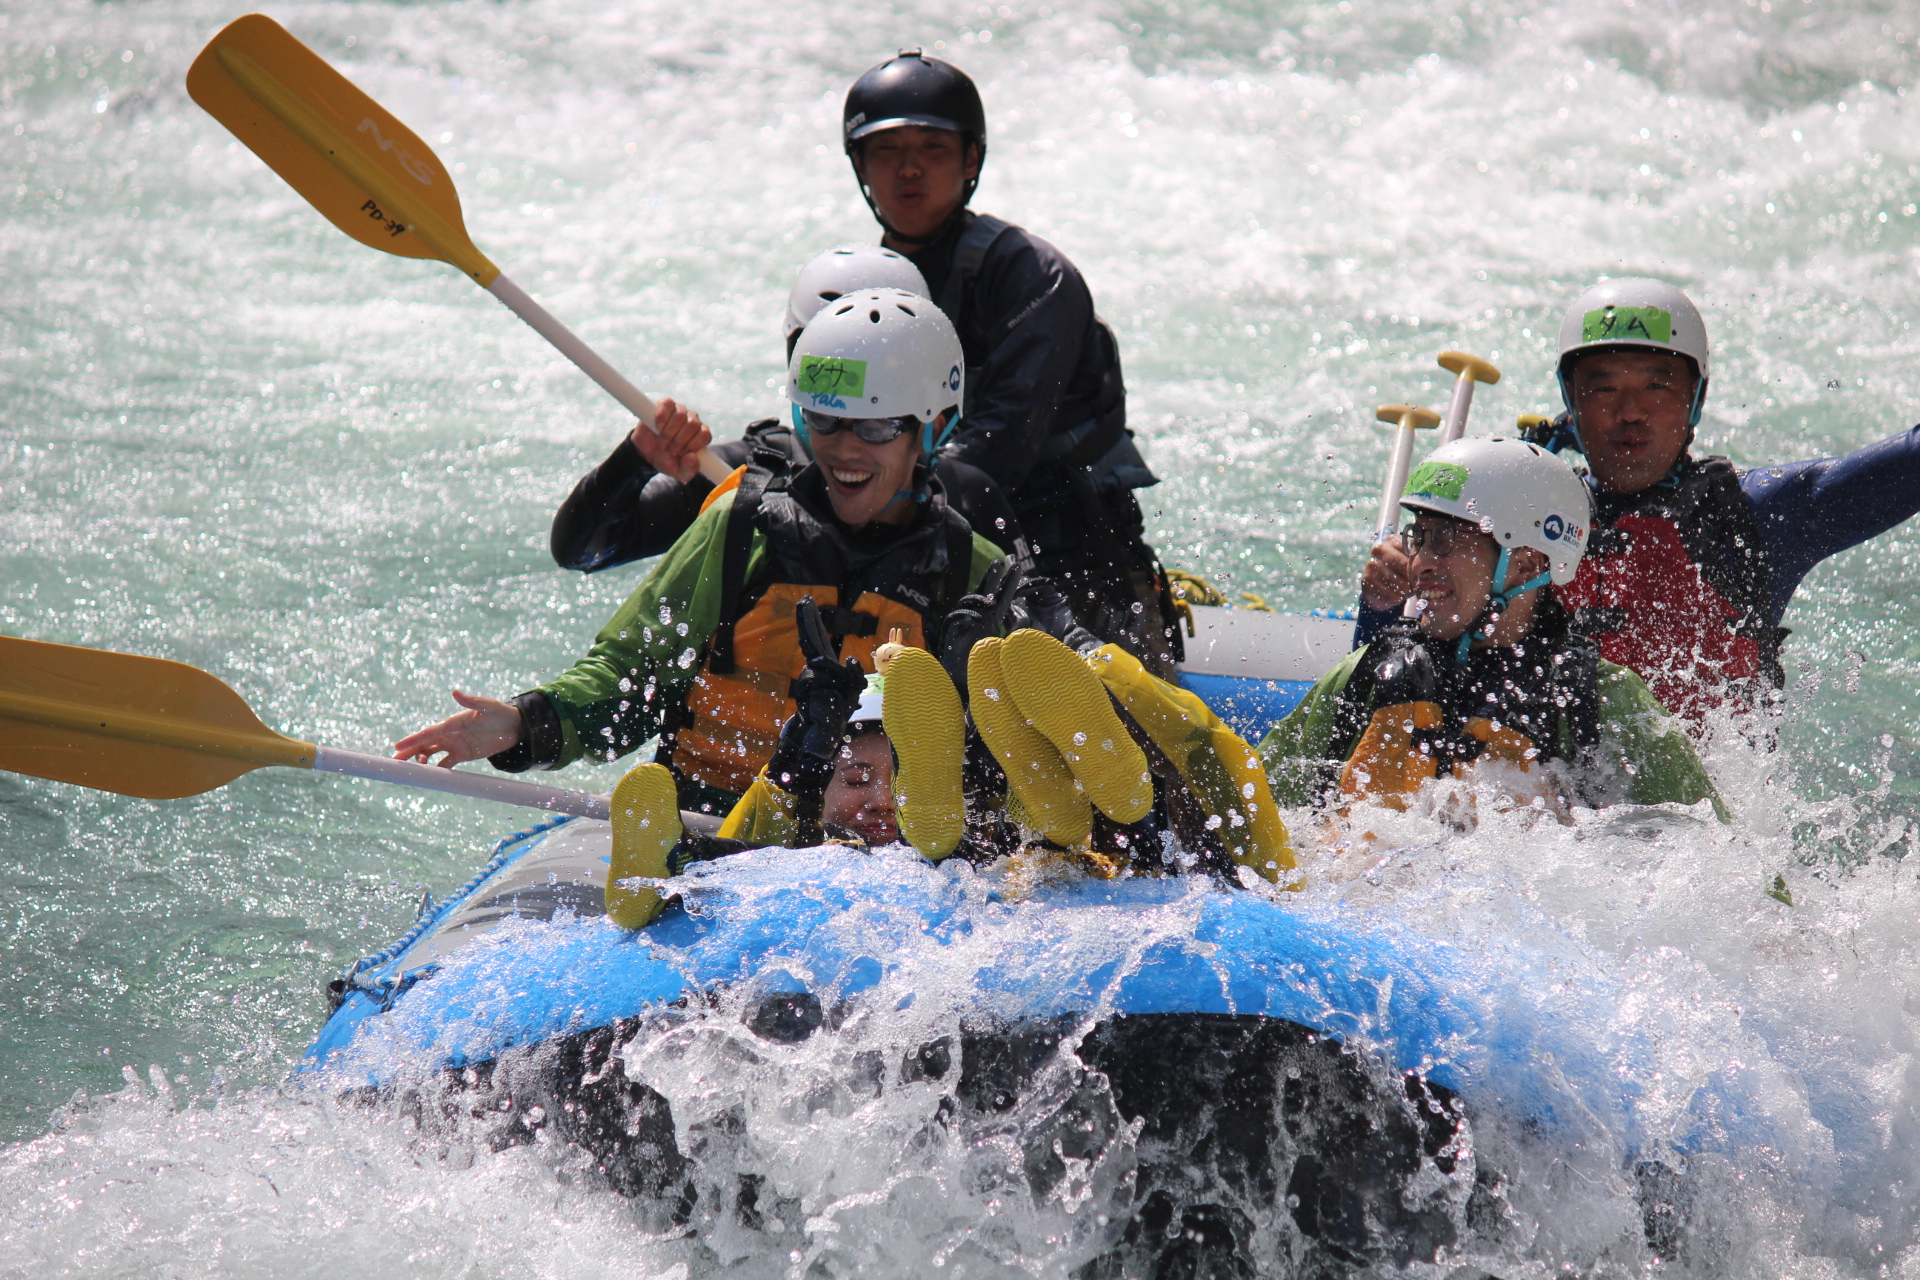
point(1243, 1119)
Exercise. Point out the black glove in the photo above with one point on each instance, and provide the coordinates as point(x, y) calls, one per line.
point(827, 692)
point(1405, 675)
point(1039, 603)
point(976, 616)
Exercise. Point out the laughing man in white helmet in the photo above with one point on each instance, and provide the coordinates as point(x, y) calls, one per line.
point(706, 653)
point(648, 490)
point(1693, 563)
point(1489, 682)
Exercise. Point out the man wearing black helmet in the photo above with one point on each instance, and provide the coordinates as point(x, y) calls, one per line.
point(1045, 412)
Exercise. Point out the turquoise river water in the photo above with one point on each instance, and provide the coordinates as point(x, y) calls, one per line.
point(230, 436)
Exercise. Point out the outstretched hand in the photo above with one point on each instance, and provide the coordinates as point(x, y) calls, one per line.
point(485, 728)
point(671, 443)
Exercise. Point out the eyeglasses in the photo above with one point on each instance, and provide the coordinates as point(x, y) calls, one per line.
point(1440, 539)
point(871, 430)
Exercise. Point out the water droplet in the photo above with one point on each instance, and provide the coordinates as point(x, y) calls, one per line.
point(1079, 739)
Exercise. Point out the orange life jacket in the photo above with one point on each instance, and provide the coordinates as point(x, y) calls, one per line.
point(742, 697)
point(733, 720)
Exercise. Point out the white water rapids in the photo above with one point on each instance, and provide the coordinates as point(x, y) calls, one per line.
point(229, 435)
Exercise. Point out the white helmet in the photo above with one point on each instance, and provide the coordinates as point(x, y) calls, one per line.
point(879, 353)
point(1517, 492)
point(872, 700)
point(1635, 312)
point(843, 269)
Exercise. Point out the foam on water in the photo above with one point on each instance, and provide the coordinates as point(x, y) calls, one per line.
point(232, 437)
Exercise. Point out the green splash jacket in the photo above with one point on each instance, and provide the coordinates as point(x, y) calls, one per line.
point(1645, 756)
point(643, 662)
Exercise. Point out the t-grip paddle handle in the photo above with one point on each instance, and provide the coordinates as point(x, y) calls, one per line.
point(1407, 419)
point(1471, 369)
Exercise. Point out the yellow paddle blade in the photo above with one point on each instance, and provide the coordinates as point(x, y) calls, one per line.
point(370, 175)
point(118, 722)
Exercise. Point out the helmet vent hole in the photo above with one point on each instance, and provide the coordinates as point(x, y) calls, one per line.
point(874, 316)
point(904, 309)
point(843, 310)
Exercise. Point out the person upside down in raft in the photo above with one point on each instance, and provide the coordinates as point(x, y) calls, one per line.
point(1692, 563)
point(1080, 762)
point(705, 653)
point(1489, 687)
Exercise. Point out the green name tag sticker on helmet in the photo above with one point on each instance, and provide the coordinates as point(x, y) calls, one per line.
point(1627, 324)
point(1442, 480)
point(832, 376)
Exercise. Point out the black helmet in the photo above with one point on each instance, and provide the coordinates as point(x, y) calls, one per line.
point(913, 89)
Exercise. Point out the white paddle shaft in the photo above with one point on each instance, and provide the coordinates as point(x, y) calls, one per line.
point(1456, 424)
point(531, 795)
point(569, 345)
point(1390, 492)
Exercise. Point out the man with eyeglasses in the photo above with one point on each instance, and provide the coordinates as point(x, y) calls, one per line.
point(1488, 686)
point(706, 653)
point(1693, 563)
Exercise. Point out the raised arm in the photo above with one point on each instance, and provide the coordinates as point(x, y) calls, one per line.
point(645, 495)
point(1807, 511)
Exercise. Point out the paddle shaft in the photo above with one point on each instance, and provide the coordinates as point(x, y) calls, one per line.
point(261, 748)
point(1456, 424)
point(569, 345)
point(452, 245)
point(1396, 483)
point(358, 764)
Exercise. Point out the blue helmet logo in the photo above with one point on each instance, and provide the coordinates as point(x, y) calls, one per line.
point(1553, 528)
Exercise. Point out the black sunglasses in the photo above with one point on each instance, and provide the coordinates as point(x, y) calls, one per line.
point(871, 430)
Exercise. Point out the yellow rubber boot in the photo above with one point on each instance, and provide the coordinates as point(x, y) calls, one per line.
point(1046, 798)
point(1224, 773)
point(1066, 702)
point(1386, 765)
point(646, 826)
point(921, 711)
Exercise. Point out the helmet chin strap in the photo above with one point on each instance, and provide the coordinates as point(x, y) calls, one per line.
point(1496, 604)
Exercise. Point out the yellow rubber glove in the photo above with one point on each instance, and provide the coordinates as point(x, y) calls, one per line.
point(1387, 765)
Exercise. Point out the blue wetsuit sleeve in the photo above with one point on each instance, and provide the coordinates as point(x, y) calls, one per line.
point(1807, 511)
point(1370, 622)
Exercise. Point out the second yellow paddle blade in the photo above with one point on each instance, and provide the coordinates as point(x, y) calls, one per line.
point(120, 722)
point(370, 175)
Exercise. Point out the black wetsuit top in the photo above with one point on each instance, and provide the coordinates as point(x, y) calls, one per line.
point(1045, 410)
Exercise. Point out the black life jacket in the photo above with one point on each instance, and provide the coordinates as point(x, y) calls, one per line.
point(866, 583)
point(1546, 687)
point(1090, 420)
